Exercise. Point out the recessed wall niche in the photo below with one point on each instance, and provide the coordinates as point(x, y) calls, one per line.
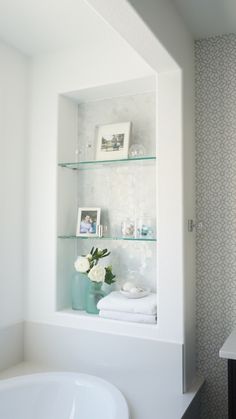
point(123, 190)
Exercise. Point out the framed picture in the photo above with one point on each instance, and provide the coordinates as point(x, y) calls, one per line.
point(113, 141)
point(88, 220)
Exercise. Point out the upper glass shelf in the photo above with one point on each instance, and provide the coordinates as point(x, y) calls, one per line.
point(147, 239)
point(82, 165)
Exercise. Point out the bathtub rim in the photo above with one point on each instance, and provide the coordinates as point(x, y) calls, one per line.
point(119, 399)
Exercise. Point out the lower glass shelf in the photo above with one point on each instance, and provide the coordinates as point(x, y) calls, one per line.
point(146, 239)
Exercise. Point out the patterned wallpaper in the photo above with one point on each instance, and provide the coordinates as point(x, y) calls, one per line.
point(216, 207)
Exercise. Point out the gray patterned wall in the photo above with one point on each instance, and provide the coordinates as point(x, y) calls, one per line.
point(216, 206)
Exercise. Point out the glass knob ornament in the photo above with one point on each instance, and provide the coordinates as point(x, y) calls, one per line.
point(136, 150)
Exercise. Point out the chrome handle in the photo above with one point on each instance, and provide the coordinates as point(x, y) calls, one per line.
point(198, 226)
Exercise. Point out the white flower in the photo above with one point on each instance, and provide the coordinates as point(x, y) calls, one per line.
point(82, 264)
point(89, 256)
point(97, 273)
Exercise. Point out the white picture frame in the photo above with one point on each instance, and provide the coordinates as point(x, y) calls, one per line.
point(113, 141)
point(87, 222)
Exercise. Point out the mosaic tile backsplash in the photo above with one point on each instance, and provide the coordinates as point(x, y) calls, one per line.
point(121, 191)
point(215, 60)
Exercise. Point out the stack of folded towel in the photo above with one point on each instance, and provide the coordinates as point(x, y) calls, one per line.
point(118, 307)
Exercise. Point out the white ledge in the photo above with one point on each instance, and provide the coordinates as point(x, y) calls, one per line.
point(228, 350)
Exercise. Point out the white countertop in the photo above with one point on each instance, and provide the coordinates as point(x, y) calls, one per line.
point(228, 350)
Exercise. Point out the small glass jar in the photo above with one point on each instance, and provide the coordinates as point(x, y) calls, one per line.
point(84, 153)
point(89, 152)
point(127, 228)
point(144, 227)
point(136, 150)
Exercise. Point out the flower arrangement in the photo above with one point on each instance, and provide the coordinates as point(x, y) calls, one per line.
point(89, 265)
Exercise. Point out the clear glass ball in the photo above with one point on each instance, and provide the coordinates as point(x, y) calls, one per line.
point(136, 150)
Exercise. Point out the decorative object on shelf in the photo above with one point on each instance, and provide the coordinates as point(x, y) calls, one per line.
point(96, 275)
point(100, 230)
point(89, 152)
point(127, 286)
point(84, 153)
point(127, 228)
point(130, 289)
point(135, 292)
point(87, 222)
point(78, 153)
point(79, 289)
point(136, 150)
point(113, 141)
point(144, 227)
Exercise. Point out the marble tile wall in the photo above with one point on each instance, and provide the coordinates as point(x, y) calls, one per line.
point(121, 191)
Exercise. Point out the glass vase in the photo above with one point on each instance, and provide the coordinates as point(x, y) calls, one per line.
point(79, 290)
point(94, 294)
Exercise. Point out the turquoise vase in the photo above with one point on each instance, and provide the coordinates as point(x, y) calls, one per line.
point(94, 294)
point(80, 284)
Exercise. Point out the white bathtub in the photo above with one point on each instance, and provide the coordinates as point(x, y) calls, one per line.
point(60, 396)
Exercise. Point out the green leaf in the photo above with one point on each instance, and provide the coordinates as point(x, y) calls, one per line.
point(104, 256)
point(109, 276)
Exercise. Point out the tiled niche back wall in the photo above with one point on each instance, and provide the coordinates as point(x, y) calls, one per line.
point(216, 206)
point(122, 192)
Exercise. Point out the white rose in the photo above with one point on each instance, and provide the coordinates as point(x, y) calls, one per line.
point(82, 264)
point(97, 273)
point(89, 256)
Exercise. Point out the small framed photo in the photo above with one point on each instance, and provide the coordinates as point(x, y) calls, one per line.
point(88, 220)
point(113, 141)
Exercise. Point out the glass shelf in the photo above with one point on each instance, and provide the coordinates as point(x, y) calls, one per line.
point(82, 165)
point(146, 239)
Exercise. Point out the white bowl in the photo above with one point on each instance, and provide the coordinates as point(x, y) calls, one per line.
point(139, 294)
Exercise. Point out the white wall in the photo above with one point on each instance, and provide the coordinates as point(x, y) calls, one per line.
point(73, 70)
point(13, 141)
point(161, 15)
point(112, 61)
point(167, 35)
point(51, 75)
point(78, 69)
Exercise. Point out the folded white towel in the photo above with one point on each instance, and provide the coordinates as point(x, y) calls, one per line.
point(115, 301)
point(128, 317)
